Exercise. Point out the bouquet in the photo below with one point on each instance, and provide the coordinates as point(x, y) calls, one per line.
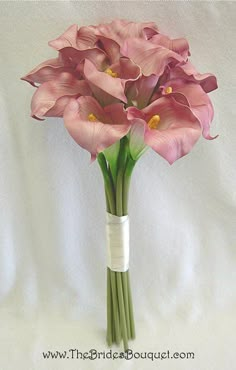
point(121, 88)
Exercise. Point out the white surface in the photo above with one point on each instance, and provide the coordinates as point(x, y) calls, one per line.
point(117, 233)
point(52, 220)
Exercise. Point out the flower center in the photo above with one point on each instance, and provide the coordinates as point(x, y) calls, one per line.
point(154, 122)
point(111, 73)
point(168, 90)
point(92, 117)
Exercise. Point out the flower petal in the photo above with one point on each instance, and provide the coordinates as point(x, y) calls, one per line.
point(120, 29)
point(45, 100)
point(111, 48)
point(68, 38)
point(95, 55)
point(179, 129)
point(92, 136)
point(173, 143)
point(126, 69)
point(207, 80)
point(151, 58)
point(112, 86)
point(139, 92)
point(179, 46)
point(192, 95)
point(46, 71)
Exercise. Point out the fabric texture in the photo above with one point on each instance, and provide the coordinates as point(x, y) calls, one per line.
point(117, 240)
point(52, 220)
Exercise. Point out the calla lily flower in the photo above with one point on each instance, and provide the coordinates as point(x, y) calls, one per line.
point(119, 30)
point(81, 39)
point(47, 71)
point(193, 96)
point(124, 77)
point(179, 46)
point(169, 128)
point(50, 99)
point(188, 72)
point(151, 58)
point(139, 92)
point(98, 42)
point(113, 80)
point(95, 128)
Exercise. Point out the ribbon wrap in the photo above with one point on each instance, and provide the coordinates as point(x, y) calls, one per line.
point(117, 234)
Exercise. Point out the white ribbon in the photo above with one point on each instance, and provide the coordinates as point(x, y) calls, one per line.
point(117, 232)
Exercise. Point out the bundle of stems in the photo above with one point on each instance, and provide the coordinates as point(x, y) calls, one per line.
point(120, 317)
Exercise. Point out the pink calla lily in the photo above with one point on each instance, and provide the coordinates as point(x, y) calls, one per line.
point(166, 126)
point(129, 65)
point(179, 46)
point(188, 72)
point(125, 71)
point(193, 96)
point(50, 98)
point(97, 56)
point(119, 30)
point(95, 128)
point(151, 58)
point(81, 39)
point(139, 92)
point(47, 71)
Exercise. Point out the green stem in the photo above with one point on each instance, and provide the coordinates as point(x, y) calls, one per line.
point(127, 177)
point(132, 327)
point(109, 310)
point(110, 196)
point(115, 306)
point(120, 319)
point(126, 301)
point(122, 310)
point(119, 182)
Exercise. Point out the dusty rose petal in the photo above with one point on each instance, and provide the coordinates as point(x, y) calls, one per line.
point(93, 136)
point(140, 91)
point(192, 95)
point(46, 97)
point(112, 86)
point(207, 80)
point(111, 48)
point(152, 59)
point(174, 143)
point(86, 37)
point(117, 114)
point(107, 88)
point(119, 30)
point(81, 39)
point(177, 131)
point(126, 69)
point(179, 46)
point(95, 55)
point(46, 71)
point(68, 38)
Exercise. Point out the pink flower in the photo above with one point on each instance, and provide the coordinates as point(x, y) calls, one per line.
point(118, 31)
point(187, 71)
point(47, 71)
point(151, 58)
point(50, 99)
point(95, 128)
point(124, 76)
point(179, 46)
point(113, 80)
point(166, 126)
point(193, 96)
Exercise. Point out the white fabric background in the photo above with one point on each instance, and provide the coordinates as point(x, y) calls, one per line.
point(52, 220)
